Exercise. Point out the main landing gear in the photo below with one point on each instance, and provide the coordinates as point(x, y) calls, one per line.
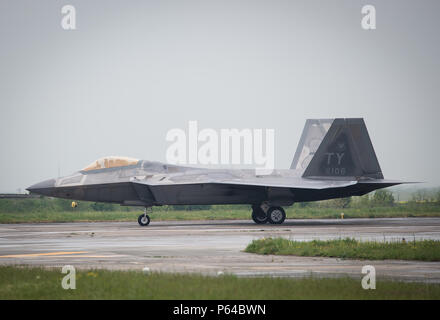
point(144, 219)
point(265, 213)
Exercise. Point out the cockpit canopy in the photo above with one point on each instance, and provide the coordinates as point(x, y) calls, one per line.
point(111, 162)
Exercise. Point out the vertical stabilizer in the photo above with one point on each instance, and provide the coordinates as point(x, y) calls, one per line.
point(344, 152)
point(313, 133)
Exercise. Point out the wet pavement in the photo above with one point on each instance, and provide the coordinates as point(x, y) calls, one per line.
point(211, 246)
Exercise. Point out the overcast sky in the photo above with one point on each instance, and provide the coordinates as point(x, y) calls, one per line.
point(135, 69)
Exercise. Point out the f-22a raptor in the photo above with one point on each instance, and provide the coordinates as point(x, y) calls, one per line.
point(334, 159)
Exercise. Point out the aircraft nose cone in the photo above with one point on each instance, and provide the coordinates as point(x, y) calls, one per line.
point(44, 187)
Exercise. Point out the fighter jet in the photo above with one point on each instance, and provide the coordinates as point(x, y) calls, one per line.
point(334, 159)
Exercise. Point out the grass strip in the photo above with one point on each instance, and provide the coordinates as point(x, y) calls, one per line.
point(38, 283)
point(226, 214)
point(425, 250)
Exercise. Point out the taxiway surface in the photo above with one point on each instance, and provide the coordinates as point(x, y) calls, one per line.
point(211, 246)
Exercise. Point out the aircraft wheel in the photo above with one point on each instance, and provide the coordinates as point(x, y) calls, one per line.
point(259, 216)
point(144, 220)
point(276, 215)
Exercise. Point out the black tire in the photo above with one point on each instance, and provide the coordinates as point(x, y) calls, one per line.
point(276, 215)
point(259, 216)
point(144, 220)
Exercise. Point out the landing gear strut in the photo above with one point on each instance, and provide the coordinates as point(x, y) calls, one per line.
point(144, 219)
point(265, 213)
point(258, 215)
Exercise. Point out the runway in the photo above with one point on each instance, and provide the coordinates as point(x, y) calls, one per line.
point(211, 246)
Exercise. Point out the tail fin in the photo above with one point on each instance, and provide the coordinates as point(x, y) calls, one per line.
point(338, 148)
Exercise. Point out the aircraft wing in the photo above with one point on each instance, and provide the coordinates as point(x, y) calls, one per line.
point(290, 183)
point(208, 188)
point(263, 181)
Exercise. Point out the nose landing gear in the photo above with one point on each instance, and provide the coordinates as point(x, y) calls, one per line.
point(144, 219)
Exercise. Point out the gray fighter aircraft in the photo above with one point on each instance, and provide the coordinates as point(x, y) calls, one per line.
point(334, 159)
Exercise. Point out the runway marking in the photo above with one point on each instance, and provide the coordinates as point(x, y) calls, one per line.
point(98, 256)
point(42, 254)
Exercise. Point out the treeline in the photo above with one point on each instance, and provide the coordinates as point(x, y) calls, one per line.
point(48, 204)
point(379, 198)
point(54, 205)
point(426, 195)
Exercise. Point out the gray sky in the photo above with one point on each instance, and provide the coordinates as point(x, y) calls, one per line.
point(135, 69)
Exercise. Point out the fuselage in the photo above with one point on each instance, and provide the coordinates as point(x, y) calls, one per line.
point(148, 183)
